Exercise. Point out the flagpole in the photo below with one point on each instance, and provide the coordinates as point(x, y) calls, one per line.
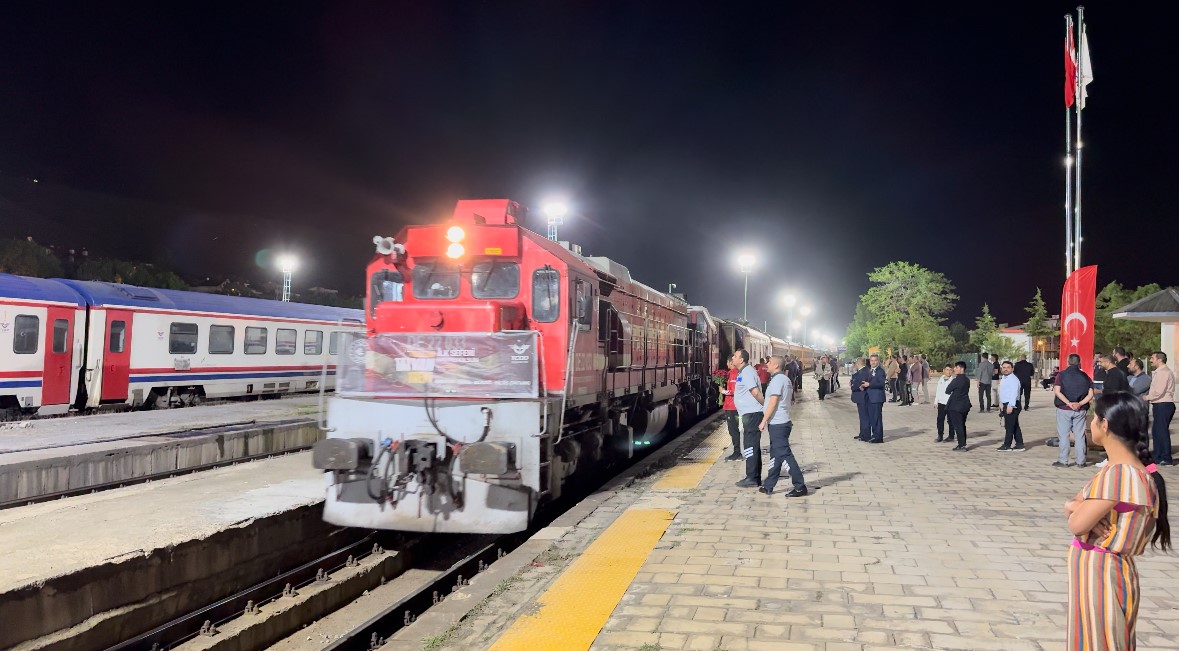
point(1079, 99)
point(1068, 166)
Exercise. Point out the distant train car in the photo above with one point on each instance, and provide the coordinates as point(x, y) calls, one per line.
point(101, 344)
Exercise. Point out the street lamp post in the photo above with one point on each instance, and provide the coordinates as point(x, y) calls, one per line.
point(286, 263)
point(805, 311)
point(745, 262)
point(554, 212)
point(789, 300)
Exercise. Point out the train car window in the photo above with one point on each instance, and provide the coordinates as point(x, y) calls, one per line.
point(61, 333)
point(221, 340)
point(286, 341)
point(492, 279)
point(546, 295)
point(27, 335)
point(182, 339)
point(387, 286)
point(334, 342)
point(255, 341)
point(118, 337)
point(435, 280)
point(313, 342)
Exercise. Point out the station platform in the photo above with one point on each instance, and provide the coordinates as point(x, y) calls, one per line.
point(46, 457)
point(900, 545)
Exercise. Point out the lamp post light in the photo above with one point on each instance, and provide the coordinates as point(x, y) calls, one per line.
point(287, 265)
point(554, 212)
point(789, 300)
point(745, 262)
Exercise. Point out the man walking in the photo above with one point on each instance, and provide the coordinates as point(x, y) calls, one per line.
point(1010, 391)
point(1024, 370)
point(1074, 392)
point(916, 377)
point(747, 398)
point(823, 376)
point(859, 396)
point(776, 418)
point(732, 419)
point(1161, 397)
point(941, 397)
point(958, 405)
point(983, 375)
point(874, 388)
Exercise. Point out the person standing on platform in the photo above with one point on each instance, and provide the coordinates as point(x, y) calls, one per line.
point(776, 418)
point(874, 388)
point(763, 374)
point(995, 381)
point(983, 376)
point(823, 376)
point(1122, 359)
point(1115, 379)
point(796, 375)
point(1161, 397)
point(903, 380)
point(941, 397)
point(917, 377)
point(1010, 391)
point(891, 372)
point(731, 416)
point(1074, 392)
point(747, 398)
point(958, 405)
point(1139, 381)
point(834, 361)
point(859, 396)
point(1025, 371)
point(1119, 510)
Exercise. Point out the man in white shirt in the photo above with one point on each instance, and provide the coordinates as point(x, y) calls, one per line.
point(776, 418)
point(1010, 392)
point(942, 399)
point(747, 399)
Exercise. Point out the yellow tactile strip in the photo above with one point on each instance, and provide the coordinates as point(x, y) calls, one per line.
point(573, 610)
point(688, 472)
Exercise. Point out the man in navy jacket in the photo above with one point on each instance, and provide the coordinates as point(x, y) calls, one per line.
point(874, 390)
point(859, 396)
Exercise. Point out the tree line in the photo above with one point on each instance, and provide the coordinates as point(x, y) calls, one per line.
point(906, 308)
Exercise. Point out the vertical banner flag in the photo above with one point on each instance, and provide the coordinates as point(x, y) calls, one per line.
point(1084, 66)
point(1077, 305)
point(1070, 70)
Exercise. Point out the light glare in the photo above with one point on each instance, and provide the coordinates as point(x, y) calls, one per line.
point(455, 250)
point(455, 234)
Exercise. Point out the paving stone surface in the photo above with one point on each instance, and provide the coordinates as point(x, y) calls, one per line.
point(900, 545)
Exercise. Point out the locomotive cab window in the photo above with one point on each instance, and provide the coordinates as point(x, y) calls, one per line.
point(182, 339)
point(492, 279)
point(285, 341)
point(387, 286)
point(546, 295)
point(220, 340)
point(255, 341)
point(435, 280)
point(118, 336)
point(27, 334)
point(61, 332)
point(583, 304)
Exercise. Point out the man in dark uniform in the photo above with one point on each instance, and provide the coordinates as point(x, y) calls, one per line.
point(959, 404)
point(1024, 371)
point(874, 388)
point(859, 396)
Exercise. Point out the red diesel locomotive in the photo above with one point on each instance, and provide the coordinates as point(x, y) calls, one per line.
point(496, 365)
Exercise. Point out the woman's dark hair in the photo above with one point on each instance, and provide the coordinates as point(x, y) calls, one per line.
point(1126, 416)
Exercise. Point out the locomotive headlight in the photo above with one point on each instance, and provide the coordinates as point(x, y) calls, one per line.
point(455, 234)
point(455, 250)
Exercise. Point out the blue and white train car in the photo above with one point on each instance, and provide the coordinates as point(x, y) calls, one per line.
point(69, 343)
point(42, 326)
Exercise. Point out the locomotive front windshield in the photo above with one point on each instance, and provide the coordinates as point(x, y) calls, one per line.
point(434, 280)
point(491, 279)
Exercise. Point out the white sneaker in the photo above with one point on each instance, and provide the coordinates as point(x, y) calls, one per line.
point(1101, 464)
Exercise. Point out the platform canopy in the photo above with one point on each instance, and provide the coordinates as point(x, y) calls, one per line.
point(1160, 307)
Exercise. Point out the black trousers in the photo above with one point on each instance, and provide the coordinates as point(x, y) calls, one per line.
point(862, 408)
point(903, 388)
point(1161, 414)
point(734, 429)
point(823, 389)
point(1027, 393)
point(892, 388)
point(941, 421)
point(780, 453)
point(958, 426)
point(984, 393)
point(1011, 424)
point(752, 449)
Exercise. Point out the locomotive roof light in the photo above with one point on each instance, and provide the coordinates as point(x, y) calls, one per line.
point(455, 251)
point(455, 234)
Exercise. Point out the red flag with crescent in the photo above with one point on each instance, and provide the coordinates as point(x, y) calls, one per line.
point(1078, 303)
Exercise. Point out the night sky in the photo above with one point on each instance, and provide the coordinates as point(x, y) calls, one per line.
point(828, 140)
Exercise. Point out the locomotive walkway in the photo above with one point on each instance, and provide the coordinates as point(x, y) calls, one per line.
point(900, 545)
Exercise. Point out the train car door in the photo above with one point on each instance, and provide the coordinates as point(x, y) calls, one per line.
point(116, 356)
point(59, 343)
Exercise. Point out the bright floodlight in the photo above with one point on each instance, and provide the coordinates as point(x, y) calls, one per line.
point(806, 310)
point(746, 261)
point(789, 300)
point(555, 210)
point(287, 263)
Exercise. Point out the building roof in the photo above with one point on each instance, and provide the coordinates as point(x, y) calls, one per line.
point(37, 289)
point(1160, 307)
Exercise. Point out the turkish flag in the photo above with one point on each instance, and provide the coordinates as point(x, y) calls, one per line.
point(1077, 305)
point(1070, 70)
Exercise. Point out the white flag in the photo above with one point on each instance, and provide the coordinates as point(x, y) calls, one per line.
point(1085, 71)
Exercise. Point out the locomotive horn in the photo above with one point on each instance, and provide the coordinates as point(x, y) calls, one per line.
point(386, 245)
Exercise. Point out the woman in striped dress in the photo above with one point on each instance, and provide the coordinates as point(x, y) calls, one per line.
point(1121, 508)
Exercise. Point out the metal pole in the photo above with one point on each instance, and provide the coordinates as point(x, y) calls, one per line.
point(746, 297)
point(789, 320)
point(1079, 88)
point(286, 286)
point(1068, 164)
